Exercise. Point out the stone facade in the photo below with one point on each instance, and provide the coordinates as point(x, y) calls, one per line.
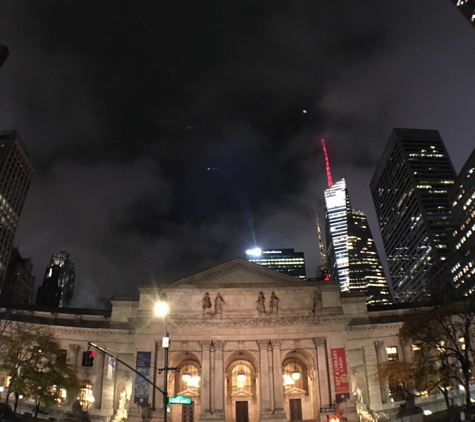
point(244, 356)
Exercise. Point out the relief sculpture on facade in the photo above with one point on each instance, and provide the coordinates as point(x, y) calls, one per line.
point(218, 304)
point(317, 300)
point(206, 304)
point(274, 303)
point(261, 303)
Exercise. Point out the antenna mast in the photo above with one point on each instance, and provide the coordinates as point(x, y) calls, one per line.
point(327, 165)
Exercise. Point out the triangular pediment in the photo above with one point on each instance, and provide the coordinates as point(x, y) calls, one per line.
point(188, 393)
point(238, 272)
point(294, 391)
point(240, 394)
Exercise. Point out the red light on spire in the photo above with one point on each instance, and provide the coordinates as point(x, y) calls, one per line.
point(327, 165)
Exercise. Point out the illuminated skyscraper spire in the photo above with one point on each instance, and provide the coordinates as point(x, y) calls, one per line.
point(327, 165)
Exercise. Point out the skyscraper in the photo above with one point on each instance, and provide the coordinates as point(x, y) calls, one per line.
point(410, 193)
point(467, 7)
point(462, 199)
point(283, 260)
point(18, 288)
point(59, 282)
point(16, 173)
point(352, 256)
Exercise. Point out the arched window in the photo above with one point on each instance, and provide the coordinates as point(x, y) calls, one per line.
point(86, 398)
point(241, 377)
point(295, 375)
point(189, 377)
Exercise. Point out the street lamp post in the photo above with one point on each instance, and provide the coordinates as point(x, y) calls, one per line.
point(161, 310)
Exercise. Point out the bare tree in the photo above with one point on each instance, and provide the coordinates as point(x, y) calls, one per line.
point(446, 332)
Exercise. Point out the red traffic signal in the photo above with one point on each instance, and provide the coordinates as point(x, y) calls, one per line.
point(88, 358)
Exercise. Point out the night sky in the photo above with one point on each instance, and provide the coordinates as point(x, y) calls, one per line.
point(168, 137)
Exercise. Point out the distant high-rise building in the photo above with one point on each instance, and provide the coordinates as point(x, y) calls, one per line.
point(283, 260)
point(410, 193)
point(462, 199)
point(19, 284)
point(352, 258)
point(467, 7)
point(351, 252)
point(322, 271)
point(58, 285)
point(16, 173)
point(3, 54)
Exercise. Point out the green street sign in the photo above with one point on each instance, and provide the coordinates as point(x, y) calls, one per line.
point(179, 400)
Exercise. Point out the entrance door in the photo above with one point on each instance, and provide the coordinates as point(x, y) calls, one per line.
point(242, 411)
point(295, 406)
point(187, 412)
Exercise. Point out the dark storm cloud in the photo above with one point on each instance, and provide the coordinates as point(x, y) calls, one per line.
point(124, 106)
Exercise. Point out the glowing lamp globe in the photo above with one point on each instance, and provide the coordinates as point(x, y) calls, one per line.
point(241, 376)
point(161, 309)
point(296, 375)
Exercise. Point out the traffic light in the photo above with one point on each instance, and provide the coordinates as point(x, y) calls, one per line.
point(88, 358)
point(333, 418)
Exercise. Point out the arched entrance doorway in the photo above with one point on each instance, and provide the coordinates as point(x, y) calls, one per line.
point(241, 397)
point(298, 386)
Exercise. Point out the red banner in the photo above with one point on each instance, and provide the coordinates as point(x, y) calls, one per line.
point(340, 374)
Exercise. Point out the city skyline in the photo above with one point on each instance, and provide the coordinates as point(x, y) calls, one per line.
point(170, 138)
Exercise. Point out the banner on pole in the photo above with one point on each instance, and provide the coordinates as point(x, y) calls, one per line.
point(141, 386)
point(111, 368)
point(340, 374)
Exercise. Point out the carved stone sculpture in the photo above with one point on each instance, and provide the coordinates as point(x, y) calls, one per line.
point(274, 303)
point(261, 303)
point(218, 304)
point(317, 300)
point(206, 303)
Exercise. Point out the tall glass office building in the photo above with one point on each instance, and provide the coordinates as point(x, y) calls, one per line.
point(462, 199)
point(410, 193)
point(16, 173)
point(284, 260)
point(59, 282)
point(467, 8)
point(352, 256)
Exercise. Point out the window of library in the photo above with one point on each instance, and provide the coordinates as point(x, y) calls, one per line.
point(295, 375)
point(241, 377)
point(416, 351)
point(86, 398)
point(392, 353)
point(189, 378)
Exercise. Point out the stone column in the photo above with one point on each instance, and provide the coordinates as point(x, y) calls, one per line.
point(212, 381)
point(218, 378)
point(381, 358)
point(270, 373)
point(73, 355)
point(323, 376)
point(407, 351)
point(205, 377)
point(278, 377)
point(264, 376)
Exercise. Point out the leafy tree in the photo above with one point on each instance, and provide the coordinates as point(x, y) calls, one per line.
point(36, 365)
point(445, 333)
point(426, 372)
